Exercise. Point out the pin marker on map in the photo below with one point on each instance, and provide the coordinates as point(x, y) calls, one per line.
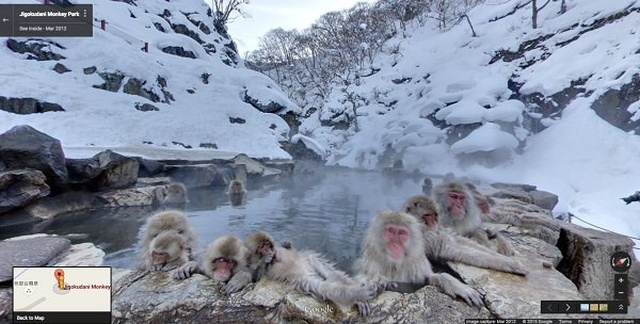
point(59, 274)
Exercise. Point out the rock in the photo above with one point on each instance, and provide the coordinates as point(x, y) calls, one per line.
point(194, 176)
point(25, 147)
point(112, 81)
point(66, 202)
point(184, 30)
point(60, 68)
point(143, 196)
point(255, 168)
point(6, 305)
point(146, 107)
point(89, 70)
point(81, 170)
point(158, 298)
point(21, 187)
point(117, 171)
point(29, 251)
point(144, 182)
point(544, 199)
point(135, 87)
point(179, 51)
point(512, 194)
point(24, 106)
point(613, 105)
point(148, 168)
point(37, 49)
point(514, 186)
point(268, 107)
point(586, 255)
point(83, 254)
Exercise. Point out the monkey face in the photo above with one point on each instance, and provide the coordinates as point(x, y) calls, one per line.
point(223, 269)
point(266, 251)
point(396, 238)
point(160, 259)
point(430, 218)
point(484, 207)
point(456, 204)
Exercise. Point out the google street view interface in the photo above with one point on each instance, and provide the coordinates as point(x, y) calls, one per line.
point(83, 294)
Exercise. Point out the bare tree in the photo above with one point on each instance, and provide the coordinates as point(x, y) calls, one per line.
point(225, 10)
point(534, 12)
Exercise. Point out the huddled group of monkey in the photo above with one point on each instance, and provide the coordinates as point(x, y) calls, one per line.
point(405, 248)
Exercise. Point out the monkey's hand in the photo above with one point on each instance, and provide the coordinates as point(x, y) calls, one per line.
point(471, 296)
point(517, 268)
point(454, 288)
point(287, 244)
point(237, 282)
point(504, 248)
point(186, 270)
point(364, 308)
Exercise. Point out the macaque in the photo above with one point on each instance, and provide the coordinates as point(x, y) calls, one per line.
point(442, 246)
point(236, 192)
point(458, 211)
point(236, 187)
point(225, 261)
point(175, 193)
point(394, 252)
point(305, 271)
point(168, 251)
point(427, 186)
point(162, 222)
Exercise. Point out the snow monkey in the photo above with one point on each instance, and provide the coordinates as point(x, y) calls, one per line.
point(225, 261)
point(176, 193)
point(306, 271)
point(170, 220)
point(442, 245)
point(457, 210)
point(236, 192)
point(167, 252)
point(394, 251)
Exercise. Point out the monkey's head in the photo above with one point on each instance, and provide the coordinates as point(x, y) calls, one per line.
point(396, 234)
point(483, 202)
point(261, 244)
point(223, 257)
point(165, 221)
point(424, 209)
point(166, 248)
point(455, 199)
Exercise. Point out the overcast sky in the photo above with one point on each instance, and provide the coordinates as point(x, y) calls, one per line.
point(271, 14)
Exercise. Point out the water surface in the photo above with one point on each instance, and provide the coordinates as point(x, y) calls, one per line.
point(326, 212)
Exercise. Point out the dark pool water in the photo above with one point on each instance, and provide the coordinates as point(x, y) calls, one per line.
point(326, 212)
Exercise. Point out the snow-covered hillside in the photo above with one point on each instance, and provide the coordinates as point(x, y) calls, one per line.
point(445, 96)
point(190, 75)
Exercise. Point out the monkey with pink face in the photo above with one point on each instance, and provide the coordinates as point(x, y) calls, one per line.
point(394, 253)
point(457, 210)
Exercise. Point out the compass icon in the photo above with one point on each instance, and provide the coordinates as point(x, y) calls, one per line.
point(620, 261)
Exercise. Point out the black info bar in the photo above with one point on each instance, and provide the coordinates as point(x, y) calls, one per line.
point(40, 20)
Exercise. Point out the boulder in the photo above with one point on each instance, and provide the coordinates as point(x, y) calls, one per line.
point(66, 202)
point(117, 171)
point(32, 250)
point(21, 187)
point(25, 147)
point(544, 199)
point(255, 168)
point(24, 106)
point(142, 196)
point(158, 298)
point(194, 176)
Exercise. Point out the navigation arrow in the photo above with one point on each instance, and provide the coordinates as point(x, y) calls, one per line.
point(568, 307)
point(4, 20)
